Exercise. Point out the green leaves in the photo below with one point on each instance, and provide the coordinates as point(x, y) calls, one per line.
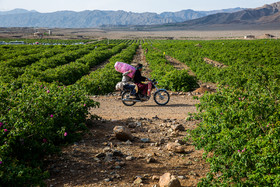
point(38, 118)
point(167, 76)
point(240, 127)
point(240, 122)
point(103, 81)
point(179, 80)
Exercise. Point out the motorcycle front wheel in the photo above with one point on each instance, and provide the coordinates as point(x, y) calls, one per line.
point(126, 99)
point(161, 97)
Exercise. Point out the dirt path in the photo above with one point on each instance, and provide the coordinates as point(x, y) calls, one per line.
point(99, 66)
point(214, 63)
point(100, 159)
point(140, 58)
point(179, 65)
point(112, 108)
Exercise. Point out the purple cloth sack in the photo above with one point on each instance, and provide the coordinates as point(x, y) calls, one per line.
point(124, 67)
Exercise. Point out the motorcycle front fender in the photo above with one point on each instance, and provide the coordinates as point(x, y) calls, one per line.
point(160, 90)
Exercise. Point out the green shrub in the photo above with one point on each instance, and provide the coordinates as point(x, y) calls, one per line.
point(35, 120)
point(242, 129)
point(166, 74)
point(179, 80)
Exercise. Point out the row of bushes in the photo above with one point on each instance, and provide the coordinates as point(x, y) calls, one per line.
point(70, 73)
point(242, 65)
point(14, 68)
point(241, 128)
point(167, 75)
point(14, 51)
point(103, 81)
point(36, 118)
point(240, 123)
point(24, 60)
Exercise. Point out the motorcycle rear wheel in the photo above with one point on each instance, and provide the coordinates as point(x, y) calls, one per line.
point(161, 97)
point(126, 99)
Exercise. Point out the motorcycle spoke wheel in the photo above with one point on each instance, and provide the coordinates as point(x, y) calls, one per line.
point(161, 97)
point(126, 99)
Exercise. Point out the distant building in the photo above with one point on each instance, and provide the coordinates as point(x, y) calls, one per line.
point(269, 36)
point(50, 32)
point(249, 37)
point(38, 34)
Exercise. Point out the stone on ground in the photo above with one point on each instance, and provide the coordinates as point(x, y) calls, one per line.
point(168, 180)
point(122, 133)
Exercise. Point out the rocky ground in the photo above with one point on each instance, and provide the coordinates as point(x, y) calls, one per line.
point(102, 159)
point(133, 146)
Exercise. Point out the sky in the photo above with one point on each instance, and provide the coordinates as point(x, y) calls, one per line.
point(157, 6)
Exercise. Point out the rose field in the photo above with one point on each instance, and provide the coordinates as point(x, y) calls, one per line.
point(45, 99)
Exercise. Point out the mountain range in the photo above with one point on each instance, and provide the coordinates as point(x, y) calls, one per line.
point(264, 14)
point(98, 18)
point(265, 17)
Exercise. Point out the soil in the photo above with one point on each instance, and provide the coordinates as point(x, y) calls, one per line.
point(214, 63)
point(179, 65)
point(145, 157)
point(18, 33)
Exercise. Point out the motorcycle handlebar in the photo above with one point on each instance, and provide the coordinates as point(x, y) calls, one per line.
point(151, 80)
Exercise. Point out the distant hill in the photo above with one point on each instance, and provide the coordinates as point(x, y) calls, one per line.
point(265, 15)
point(16, 11)
point(97, 18)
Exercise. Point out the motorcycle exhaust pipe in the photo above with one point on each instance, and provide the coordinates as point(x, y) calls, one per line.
point(131, 100)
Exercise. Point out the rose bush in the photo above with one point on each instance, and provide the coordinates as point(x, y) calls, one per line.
point(35, 120)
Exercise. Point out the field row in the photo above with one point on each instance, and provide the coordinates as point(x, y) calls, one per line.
point(246, 60)
point(36, 117)
point(65, 64)
point(239, 124)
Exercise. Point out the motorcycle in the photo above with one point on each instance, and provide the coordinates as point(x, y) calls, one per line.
point(160, 96)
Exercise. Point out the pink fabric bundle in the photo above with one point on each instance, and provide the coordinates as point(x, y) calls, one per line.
point(124, 67)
